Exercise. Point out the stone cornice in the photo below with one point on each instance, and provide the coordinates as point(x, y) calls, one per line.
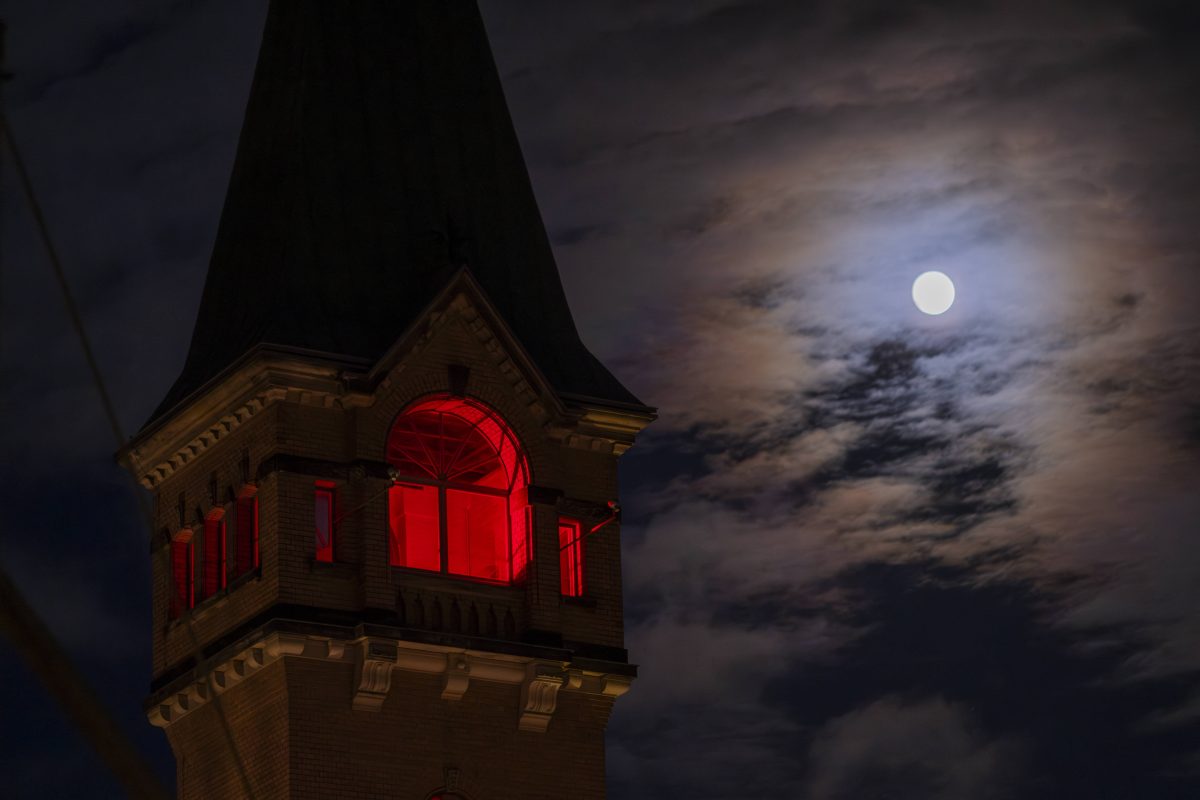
point(266, 378)
point(267, 375)
point(376, 658)
point(606, 428)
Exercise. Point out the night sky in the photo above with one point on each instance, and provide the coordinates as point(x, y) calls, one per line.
point(867, 553)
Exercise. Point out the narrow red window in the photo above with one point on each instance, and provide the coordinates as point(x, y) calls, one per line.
point(414, 534)
point(570, 557)
point(323, 506)
point(245, 534)
point(213, 553)
point(182, 591)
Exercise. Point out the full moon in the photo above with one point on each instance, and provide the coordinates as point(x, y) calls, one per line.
point(933, 292)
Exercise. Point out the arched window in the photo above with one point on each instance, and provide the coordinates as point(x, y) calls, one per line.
point(460, 503)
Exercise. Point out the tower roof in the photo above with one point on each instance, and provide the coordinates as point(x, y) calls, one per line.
point(377, 157)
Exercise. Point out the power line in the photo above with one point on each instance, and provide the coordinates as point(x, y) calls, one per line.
point(80, 703)
point(68, 299)
point(54, 668)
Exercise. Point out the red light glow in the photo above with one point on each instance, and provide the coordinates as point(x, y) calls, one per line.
point(570, 557)
point(413, 516)
point(212, 547)
point(323, 506)
point(246, 534)
point(182, 594)
point(461, 506)
point(521, 519)
point(477, 535)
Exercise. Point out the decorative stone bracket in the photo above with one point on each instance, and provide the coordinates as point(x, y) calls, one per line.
point(539, 696)
point(540, 680)
point(458, 677)
point(375, 674)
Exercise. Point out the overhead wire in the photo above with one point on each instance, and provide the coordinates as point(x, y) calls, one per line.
point(32, 640)
point(45, 645)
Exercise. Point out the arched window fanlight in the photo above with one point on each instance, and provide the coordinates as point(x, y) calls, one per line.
point(460, 502)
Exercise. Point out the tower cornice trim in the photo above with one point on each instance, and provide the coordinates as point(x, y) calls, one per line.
point(376, 658)
point(266, 376)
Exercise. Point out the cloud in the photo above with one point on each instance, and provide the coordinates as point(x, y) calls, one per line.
point(1063, 490)
point(925, 749)
point(863, 547)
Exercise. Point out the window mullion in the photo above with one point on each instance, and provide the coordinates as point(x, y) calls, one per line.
point(443, 530)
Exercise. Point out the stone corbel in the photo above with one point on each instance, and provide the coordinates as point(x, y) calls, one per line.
point(539, 696)
point(615, 685)
point(225, 677)
point(375, 674)
point(252, 660)
point(458, 677)
point(160, 716)
point(193, 695)
point(284, 644)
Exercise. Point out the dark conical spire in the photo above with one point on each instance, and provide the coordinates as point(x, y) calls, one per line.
point(377, 156)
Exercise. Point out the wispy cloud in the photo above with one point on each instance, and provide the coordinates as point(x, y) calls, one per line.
point(770, 178)
point(866, 549)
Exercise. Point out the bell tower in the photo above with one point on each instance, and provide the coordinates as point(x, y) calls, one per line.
point(388, 555)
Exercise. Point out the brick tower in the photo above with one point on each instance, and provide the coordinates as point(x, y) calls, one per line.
point(388, 558)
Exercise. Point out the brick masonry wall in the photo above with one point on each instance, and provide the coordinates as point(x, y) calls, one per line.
point(404, 750)
point(257, 715)
point(299, 737)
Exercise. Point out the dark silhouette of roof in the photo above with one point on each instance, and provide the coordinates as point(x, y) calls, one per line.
point(377, 157)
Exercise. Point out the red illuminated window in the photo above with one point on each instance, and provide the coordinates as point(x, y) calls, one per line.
point(414, 540)
point(323, 506)
point(245, 540)
point(460, 505)
point(570, 557)
point(212, 554)
point(182, 576)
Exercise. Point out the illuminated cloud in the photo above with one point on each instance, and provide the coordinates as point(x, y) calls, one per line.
point(851, 521)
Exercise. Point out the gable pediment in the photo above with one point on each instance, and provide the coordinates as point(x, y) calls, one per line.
point(463, 312)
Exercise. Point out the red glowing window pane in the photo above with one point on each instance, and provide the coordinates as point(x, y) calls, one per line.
point(212, 553)
point(477, 535)
point(520, 518)
point(456, 440)
point(414, 536)
point(323, 509)
point(245, 534)
point(182, 596)
point(570, 557)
